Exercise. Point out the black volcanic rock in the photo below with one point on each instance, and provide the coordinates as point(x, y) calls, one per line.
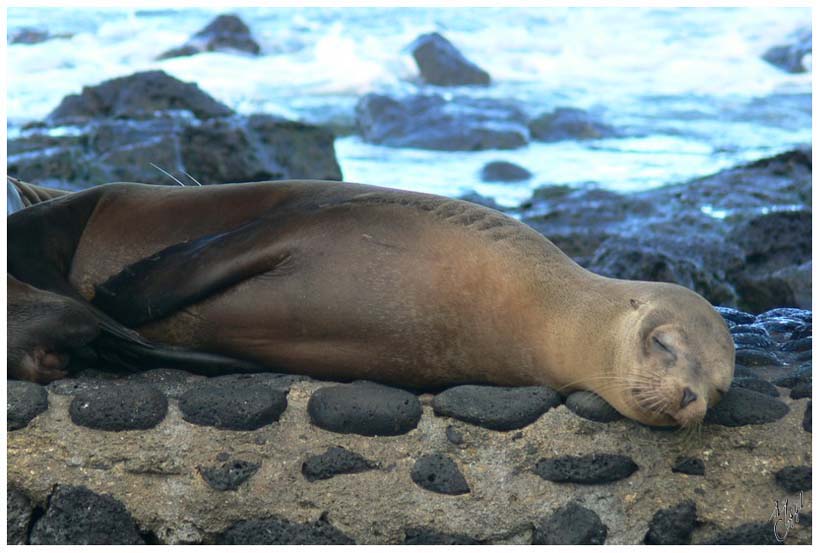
point(440, 63)
point(226, 33)
point(24, 401)
point(672, 526)
point(595, 468)
point(569, 124)
point(336, 460)
point(18, 516)
point(740, 407)
point(751, 533)
point(364, 408)
point(794, 479)
point(504, 171)
point(789, 57)
point(228, 475)
point(428, 536)
point(592, 406)
point(232, 405)
point(572, 524)
point(119, 406)
point(807, 418)
point(689, 465)
point(279, 531)
point(438, 473)
point(496, 408)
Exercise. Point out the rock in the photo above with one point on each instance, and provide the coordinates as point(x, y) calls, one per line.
point(229, 475)
point(689, 465)
point(504, 171)
point(454, 436)
point(171, 382)
point(800, 332)
point(672, 526)
point(752, 533)
point(232, 405)
point(801, 390)
point(569, 124)
point(735, 316)
point(807, 418)
point(754, 340)
point(24, 401)
point(31, 35)
point(477, 198)
point(438, 473)
point(428, 536)
point(789, 57)
point(278, 531)
point(591, 406)
point(756, 385)
point(226, 33)
point(138, 96)
point(740, 407)
point(440, 63)
point(430, 122)
point(570, 525)
point(18, 516)
point(753, 357)
point(803, 344)
point(757, 329)
point(794, 479)
point(595, 468)
point(791, 313)
point(496, 408)
point(336, 460)
point(364, 408)
point(800, 375)
point(76, 515)
point(120, 406)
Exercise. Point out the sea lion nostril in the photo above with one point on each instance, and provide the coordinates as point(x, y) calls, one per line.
point(688, 397)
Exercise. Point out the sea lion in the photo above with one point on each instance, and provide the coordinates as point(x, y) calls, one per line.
point(349, 281)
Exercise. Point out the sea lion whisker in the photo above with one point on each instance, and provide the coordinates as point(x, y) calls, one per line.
point(192, 178)
point(166, 173)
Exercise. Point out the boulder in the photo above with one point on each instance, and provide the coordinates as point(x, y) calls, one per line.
point(504, 171)
point(569, 124)
point(33, 35)
point(226, 33)
point(790, 57)
point(430, 122)
point(440, 63)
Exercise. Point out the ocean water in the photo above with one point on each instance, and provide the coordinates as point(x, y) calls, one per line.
point(687, 85)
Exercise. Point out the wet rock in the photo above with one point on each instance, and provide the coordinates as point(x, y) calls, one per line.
point(570, 525)
point(591, 406)
point(753, 357)
point(171, 382)
point(504, 171)
point(789, 57)
point(780, 326)
point(793, 313)
point(428, 536)
point(433, 123)
point(689, 465)
point(229, 475)
point(363, 408)
point(118, 407)
point(794, 479)
point(740, 407)
point(279, 531)
point(336, 460)
point(752, 533)
point(801, 390)
point(438, 473)
point(496, 408)
point(756, 385)
point(440, 63)
point(807, 418)
point(750, 329)
point(454, 436)
point(76, 515)
point(672, 526)
point(735, 316)
point(477, 198)
point(595, 468)
point(138, 96)
point(31, 35)
point(18, 516)
point(24, 401)
point(226, 33)
point(803, 344)
point(569, 124)
point(799, 376)
point(801, 332)
point(750, 340)
point(232, 405)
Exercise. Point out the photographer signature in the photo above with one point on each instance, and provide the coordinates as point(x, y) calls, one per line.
point(785, 516)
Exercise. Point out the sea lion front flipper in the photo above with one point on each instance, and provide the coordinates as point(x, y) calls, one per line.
point(185, 273)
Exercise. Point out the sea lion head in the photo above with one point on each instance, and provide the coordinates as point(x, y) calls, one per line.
point(674, 356)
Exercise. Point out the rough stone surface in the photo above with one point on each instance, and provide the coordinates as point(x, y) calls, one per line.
point(504, 171)
point(673, 526)
point(801, 390)
point(428, 536)
point(120, 406)
point(496, 408)
point(226, 33)
point(689, 465)
point(753, 357)
point(572, 524)
point(171, 382)
point(597, 468)
point(18, 516)
point(229, 475)
point(433, 123)
point(76, 515)
point(569, 124)
point(591, 406)
point(756, 385)
point(807, 418)
point(278, 531)
point(336, 460)
point(735, 316)
point(750, 533)
point(232, 405)
point(454, 436)
point(440, 474)
point(740, 407)
point(364, 408)
point(24, 401)
point(789, 57)
point(794, 479)
point(440, 63)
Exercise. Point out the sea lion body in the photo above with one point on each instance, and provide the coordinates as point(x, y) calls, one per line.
point(346, 281)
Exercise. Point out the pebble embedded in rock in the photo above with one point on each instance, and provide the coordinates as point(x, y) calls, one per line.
point(336, 460)
point(752, 533)
point(672, 526)
point(756, 385)
point(595, 468)
point(494, 407)
point(428, 536)
point(807, 418)
point(231, 404)
point(504, 171)
point(24, 401)
point(229, 475)
point(740, 407)
point(279, 531)
point(750, 340)
point(801, 390)
point(737, 317)
point(18, 516)
point(753, 357)
point(454, 436)
point(592, 406)
point(689, 465)
point(364, 408)
point(572, 524)
point(76, 515)
point(120, 406)
point(440, 474)
point(794, 479)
